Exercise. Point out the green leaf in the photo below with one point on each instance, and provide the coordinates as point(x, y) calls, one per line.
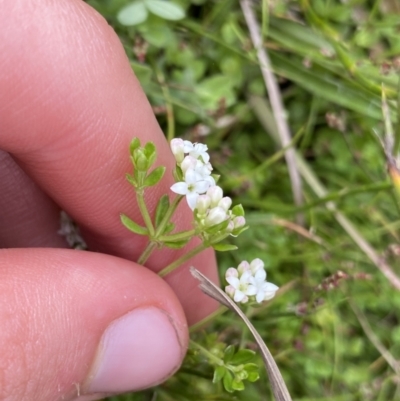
point(238, 231)
point(227, 381)
point(211, 91)
point(224, 247)
point(150, 152)
point(176, 244)
point(241, 375)
point(178, 174)
point(237, 385)
point(251, 367)
point(238, 210)
point(162, 207)
point(132, 226)
point(133, 14)
point(253, 376)
point(168, 228)
point(165, 9)
point(228, 353)
point(155, 176)
point(219, 373)
point(242, 356)
point(143, 72)
point(135, 144)
point(131, 180)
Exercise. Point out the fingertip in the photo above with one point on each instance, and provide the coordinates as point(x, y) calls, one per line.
point(89, 323)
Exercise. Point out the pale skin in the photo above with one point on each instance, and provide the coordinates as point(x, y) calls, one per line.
point(69, 107)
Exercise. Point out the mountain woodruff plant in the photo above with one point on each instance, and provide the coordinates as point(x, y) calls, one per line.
point(214, 219)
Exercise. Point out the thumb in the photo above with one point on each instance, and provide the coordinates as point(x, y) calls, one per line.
point(81, 325)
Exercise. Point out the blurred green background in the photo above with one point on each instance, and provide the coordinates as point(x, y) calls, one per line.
point(334, 326)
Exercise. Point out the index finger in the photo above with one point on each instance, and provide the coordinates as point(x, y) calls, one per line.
point(69, 107)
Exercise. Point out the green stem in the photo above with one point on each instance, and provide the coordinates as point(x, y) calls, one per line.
point(171, 267)
point(168, 215)
point(144, 211)
point(168, 106)
point(222, 309)
point(206, 353)
point(154, 234)
point(151, 246)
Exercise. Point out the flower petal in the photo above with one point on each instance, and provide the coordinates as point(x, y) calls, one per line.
point(201, 186)
point(260, 296)
point(191, 199)
point(180, 188)
point(260, 275)
point(233, 281)
point(239, 296)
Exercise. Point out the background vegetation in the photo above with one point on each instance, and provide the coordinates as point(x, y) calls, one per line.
point(334, 326)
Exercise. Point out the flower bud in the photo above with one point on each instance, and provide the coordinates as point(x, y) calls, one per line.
point(230, 227)
point(203, 204)
point(215, 216)
point(225, 203)
point(231, 272)
point(243, 267)
point(216, 194)
point(239, 221)
point(177, 147)
point(230, 290)
point(256, 264)
point(187, 163)
point(140, 160)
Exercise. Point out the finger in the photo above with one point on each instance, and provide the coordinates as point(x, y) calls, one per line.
point(77, 322)
point(68, 116)
point(28, 217)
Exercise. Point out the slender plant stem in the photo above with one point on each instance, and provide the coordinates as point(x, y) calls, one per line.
point(171, 267)
point(151, 246)
point(144, 212)
point(168, 106)
point(168, 215)
point(204, 351)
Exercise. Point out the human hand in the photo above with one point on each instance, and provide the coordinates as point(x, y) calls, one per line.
point(74, 324)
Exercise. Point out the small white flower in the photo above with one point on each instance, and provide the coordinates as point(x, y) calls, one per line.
point(261, 288)
point(191, 188)
point(248, 282)
point(177, 147)
point(239, 287)
point(197, 150)
point(202, 169)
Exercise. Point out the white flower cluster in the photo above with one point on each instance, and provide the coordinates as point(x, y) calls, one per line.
point(193, 160)
point(199, 187)
point(248, 283)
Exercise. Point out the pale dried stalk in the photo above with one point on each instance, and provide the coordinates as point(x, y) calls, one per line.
point(278, 386)
point(275, 99)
